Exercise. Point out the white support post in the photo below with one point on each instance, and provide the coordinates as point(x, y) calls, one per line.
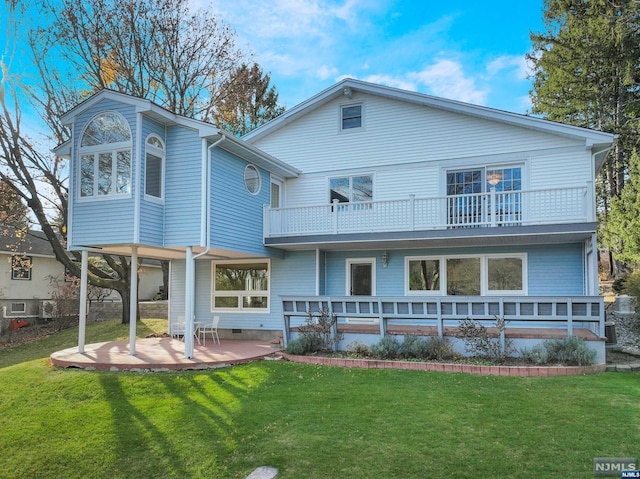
point(492, 210)
point(82, 321)
point(133, 301)
point(412, 212)
point(590, 202)
point(188, 304)
point(335, 208)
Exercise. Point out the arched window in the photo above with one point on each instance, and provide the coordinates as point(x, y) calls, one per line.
point(154, 166)
point(105, 156)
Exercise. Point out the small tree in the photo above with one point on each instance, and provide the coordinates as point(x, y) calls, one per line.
point(478, 340)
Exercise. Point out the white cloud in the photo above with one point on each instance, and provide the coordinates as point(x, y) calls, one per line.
point(325, 72)
point(446, 78)
point(388, 80)
point(516, 63)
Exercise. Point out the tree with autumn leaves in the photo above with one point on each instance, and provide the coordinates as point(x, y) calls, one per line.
point(183, 59)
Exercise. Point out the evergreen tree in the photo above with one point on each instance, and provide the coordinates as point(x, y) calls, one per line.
point(624, 217)
point(585, 74)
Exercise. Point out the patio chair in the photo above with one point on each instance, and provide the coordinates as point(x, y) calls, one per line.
point(211, 329)
point(177, 330)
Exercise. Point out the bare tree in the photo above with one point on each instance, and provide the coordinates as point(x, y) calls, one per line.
point(160, 50)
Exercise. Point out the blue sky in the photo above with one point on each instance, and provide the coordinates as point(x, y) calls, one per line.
point(467, 50)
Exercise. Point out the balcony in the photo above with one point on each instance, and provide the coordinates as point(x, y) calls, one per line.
point(481, 210)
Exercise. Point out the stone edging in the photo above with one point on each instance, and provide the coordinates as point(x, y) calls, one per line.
point(522, 371)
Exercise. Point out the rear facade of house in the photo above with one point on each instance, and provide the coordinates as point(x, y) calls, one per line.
point(396, 211)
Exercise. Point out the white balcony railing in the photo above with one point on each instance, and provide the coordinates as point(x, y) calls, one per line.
point(509, 208)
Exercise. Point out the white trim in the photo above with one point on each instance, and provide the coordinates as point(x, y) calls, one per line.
point(244, 179)
point(138, 185)
point(239, 293)
point(158, 153)
point(351, 261)
point(23, 310)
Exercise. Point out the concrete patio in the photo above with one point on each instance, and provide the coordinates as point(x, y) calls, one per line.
point(161, 354)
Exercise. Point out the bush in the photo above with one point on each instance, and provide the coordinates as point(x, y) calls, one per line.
point(295, 346)
point(317, 333)
point(618, 285)
point(414, 347)
point(387, 348)
point(439, 349)
point(477, 340)
point(358, 349)
point(538, 354)
point(570, 351)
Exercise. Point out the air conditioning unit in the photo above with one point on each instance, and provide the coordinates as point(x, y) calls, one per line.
point(47, 309)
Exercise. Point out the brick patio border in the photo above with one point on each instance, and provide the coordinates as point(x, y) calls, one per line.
point(521, 371)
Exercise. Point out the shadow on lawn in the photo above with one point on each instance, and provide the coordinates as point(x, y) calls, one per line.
point(173, 425)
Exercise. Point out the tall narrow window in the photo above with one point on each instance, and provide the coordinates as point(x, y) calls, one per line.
point(105, 157)
point(154, 167)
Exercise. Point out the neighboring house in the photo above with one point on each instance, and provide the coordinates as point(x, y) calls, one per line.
point(398, 211)
point(29, 272)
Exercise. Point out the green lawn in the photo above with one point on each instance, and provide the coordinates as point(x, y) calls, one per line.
point(309, 422)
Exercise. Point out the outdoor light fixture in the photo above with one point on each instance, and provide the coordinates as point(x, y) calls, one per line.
point(347, 92)
point(494, 178)
point(385, 259)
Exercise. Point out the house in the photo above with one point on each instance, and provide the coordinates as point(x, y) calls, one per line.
point(397, 211)
point(30, 273)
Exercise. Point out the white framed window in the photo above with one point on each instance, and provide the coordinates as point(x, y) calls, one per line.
point(154, 167)
point(350, 117)
point(277, 192)
point(466, 275)
point(351, 189)
point(105, 157)
point(252, 179)
point(241, 285)
point(21, 267)
point(18, 307)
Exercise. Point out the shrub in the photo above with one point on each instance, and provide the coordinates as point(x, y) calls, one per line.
point(317, 333)
point(439, 348)
point(387, 348)
point(538, 354)
point(478, 341)
point(295, 346)
point(571, 351)
point(414, 347)
point(358, 349)
point(632, 286)
point(618, 285)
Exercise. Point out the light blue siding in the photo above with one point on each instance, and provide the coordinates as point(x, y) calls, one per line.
point(183, 184)
point(151, 212)
point(236, 214)
point(556, 270)
point(102, 221)
point(293, 275)
point(552, 270)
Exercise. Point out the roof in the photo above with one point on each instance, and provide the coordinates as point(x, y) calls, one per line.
point(34, 243)
point(596, 141)
point(165, 117)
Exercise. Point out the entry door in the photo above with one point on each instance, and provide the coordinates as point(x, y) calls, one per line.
point(361, 277)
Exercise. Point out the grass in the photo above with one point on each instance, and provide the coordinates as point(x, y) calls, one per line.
point(308, 421)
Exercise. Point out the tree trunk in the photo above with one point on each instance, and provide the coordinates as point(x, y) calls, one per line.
point(125, 295)
point(165, 280)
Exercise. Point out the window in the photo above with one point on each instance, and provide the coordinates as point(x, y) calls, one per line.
point(105, 157)
point(276, 193)
point(18, 307)
point(469, 203)
point(466, 275)
point(351, 189)
point(424, 275)
point(240, 286)
point(252, 179)
point(21, 267)
point(154, 161)
point(351, 117)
